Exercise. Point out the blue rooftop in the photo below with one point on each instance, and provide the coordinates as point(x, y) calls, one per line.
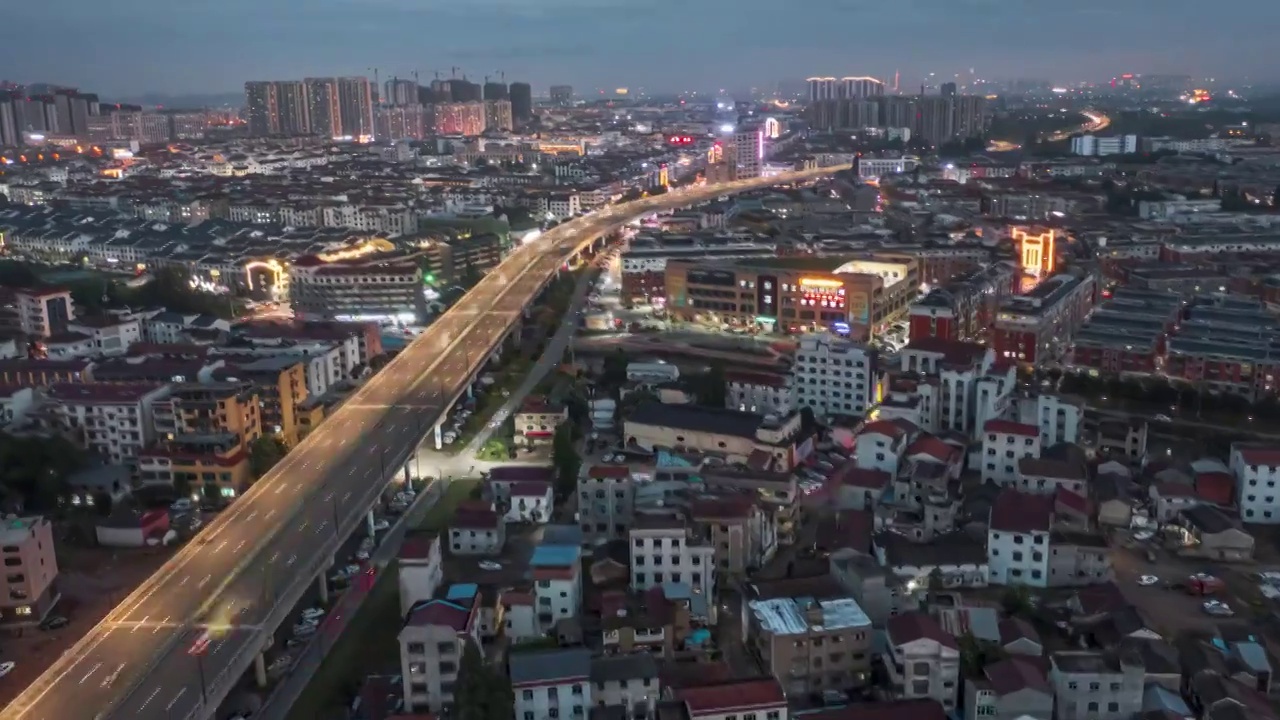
point(561, 535)
point(462, 591)
point(555, 556)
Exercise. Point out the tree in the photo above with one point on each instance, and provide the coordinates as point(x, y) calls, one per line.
point(565, 459)
point(264, 453)
point(614, 373)
point(708, 387)
point(481, 693)
point(1016, 600)
point(976, 654)
point(34, 471)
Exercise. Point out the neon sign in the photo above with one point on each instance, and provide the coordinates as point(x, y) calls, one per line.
point(820, 283)
point(1038, 252)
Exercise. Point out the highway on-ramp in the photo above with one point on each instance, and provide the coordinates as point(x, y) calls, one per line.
point(234, 581)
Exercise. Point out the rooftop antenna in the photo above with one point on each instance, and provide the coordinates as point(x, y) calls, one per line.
point(453, 71)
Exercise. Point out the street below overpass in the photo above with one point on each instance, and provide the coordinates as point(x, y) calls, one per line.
point(239, 578)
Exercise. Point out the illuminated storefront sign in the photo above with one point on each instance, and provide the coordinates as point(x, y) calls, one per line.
point(822, 293)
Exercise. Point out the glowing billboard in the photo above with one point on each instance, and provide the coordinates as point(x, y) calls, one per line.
point(1037, 251)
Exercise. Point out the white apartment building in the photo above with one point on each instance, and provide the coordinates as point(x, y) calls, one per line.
point(476, 531)
point(953, 373)
point(628, 681)
point(1004, 443)
point(923, 659)
point(1057, 416)
point(44, 311)
point(747, 153)
point(109, 336)
point(881, 444)
point(432, 643)
point(421, 570)
point(552, 684)
point(834, 376)
point(1095, 146)
point(557, 583)
point(1257, 472)
point(663, 552)
point(758, 392)
point(113, 421)
point(1018, 539)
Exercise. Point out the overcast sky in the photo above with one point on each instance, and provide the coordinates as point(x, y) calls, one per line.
point(127, 47)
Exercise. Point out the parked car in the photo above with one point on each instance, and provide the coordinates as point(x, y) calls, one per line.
point(7, 667)
point(303, 629)
point(182, 505)
point(54, 623)
point(313, 613)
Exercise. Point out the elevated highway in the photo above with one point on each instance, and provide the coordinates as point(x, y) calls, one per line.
point(240, 577)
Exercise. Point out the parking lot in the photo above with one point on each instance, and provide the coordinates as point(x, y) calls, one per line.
point(1172, 610)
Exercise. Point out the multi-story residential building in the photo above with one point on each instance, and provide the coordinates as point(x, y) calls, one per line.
point(923, 660)
point(1037, 327)
point(759, 392)
point(374, 289)
point(1058, 416)
point(44, 311)
point(203, 433)
point(882, 443)
point(761, 698)
point(1257, 472)
point(811, 646)
point(552, 684)
point(643, 622)
point(1015, 688)
point(536, 421)
point(31, 571)
point(108, 335)
point(663, 550)
point(556, 570)
point(605, 501)
point(477, 531)
point(112, 421)
point(281, 384)
point(1018, 550)
point(743, 535)
point(432, 643)
point(965, 307)
point(946, 385)
point(1096, 685)
point(628, 682)
point(1004, 444)
point(835, 377)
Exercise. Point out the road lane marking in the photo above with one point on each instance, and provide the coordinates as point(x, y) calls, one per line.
point(92, 670)
point(140, 623)
point(174, 701)
point(150, 697)
point(205, 581)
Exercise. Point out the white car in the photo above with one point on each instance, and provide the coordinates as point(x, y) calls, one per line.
point(7, 667)
point(1218, 608)
point(1148, 580)
point(362, 555)
point(182, 505)
point(1163, 418)
point(1143, 535)
point(313, 614)
point(490, 565)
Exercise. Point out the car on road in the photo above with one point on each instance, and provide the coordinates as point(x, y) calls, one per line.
point(54, 623)
point(490, 565)
point(1217, 608)
point(1163, 418)
point(7, 667)
point(1148, 580)
point(313, 613)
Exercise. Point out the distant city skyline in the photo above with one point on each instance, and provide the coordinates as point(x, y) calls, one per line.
point(132, 47)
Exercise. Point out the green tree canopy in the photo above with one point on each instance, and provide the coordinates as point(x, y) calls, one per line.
point(34, 471)
point(482, 693)
point(565, 458)
point(264, 453)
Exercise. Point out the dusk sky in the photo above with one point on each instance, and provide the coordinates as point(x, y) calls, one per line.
point(132, 46)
